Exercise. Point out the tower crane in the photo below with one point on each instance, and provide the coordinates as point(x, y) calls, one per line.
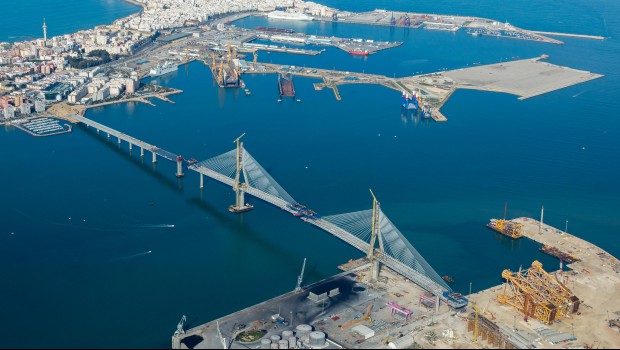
point(255, 52)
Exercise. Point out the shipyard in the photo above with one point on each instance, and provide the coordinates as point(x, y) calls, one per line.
point(357, 309)
point(387, 295)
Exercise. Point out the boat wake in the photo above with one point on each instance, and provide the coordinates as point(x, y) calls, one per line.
point(155, 226)
point(132, 256)
point(576, 95)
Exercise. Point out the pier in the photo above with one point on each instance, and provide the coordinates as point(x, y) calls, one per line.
point(594, 279)
point(525, 78)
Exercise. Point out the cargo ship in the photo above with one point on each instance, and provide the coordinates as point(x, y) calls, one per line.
point(285, 85)
point(289, 15)
point(511, 229)
point(358, 52)
point(553, 251)
point(167, 67)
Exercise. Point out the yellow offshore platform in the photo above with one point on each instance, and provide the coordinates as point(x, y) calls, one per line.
point(538, 294)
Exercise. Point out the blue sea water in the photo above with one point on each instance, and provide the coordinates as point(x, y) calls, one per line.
point(80, 214)
point(24, 20)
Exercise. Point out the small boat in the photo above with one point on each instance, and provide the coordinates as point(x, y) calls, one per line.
point(279, 100)
point(298, 100)
point(247, 91)
point(448, 279)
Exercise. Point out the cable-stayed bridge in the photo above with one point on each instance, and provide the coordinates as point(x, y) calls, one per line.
point(363, 230)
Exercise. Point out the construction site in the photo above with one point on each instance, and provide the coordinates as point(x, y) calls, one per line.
point(547, 307)
point(536, 307)
point(225, 71)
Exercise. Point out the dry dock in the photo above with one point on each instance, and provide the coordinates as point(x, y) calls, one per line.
point(595, 280)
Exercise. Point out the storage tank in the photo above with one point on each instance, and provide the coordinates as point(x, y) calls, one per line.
point(287, 334)
point(283, 344)
point(317, 339)
point(292, 341)
point(274, 338)
point(303, 330)
point(274, 345)
point(265, 343)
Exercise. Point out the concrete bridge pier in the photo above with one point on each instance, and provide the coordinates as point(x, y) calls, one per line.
point(108, 136)
point(130, 146)
point(202, 184)
point(154, 157)
point(180, 167)
point(141, 152)
point(119, 140)
point(97, 131)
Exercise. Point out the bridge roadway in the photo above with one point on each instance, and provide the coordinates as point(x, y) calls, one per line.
point(336, 231)
point(130, 140)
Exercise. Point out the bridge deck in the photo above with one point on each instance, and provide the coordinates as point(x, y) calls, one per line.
point(161, 152)
point(336, 231)
point(406, 271)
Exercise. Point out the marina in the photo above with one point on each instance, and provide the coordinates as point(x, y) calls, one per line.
point(42, 126)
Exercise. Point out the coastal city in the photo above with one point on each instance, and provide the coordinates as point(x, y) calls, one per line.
point(391, 296)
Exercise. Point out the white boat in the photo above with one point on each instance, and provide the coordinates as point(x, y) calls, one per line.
point(289, 15)
point(166, 68)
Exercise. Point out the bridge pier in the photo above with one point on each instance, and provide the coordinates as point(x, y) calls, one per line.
point(108, 136)
point(376, 266)
point(130, 146)
point(141, 152)
point(119, 140)
point(180, 167)
point(201, 181)
point(97, 131)
point(154, 157)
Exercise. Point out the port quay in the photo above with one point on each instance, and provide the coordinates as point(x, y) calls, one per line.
point(391, 297)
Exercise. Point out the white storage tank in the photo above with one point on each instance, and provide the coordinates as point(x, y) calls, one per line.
point(265, 343)
point(274, 345)
point(287, 334)
point(283, 344)
point(303, 330)
point(317, 339)
point(292, 341)
point(274, 338)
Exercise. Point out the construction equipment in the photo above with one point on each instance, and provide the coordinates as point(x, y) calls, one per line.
point(300, 277)
point(476, 326)
point(180, 329)
point(255, 53)
point(538, 294)
point(358, 318)
point(506, 227)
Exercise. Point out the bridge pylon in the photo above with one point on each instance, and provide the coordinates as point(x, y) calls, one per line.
point(239, 187)
point(375, 231)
